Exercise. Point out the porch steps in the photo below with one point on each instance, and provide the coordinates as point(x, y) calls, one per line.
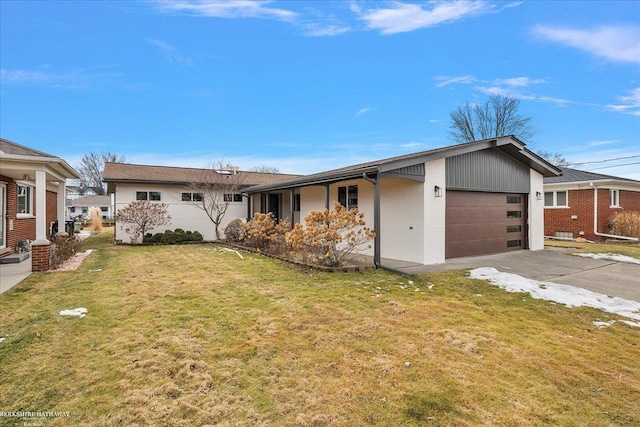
point(15, 258)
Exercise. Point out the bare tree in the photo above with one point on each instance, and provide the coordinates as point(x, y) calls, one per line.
point(143, 216)
point(214, 188)
point(498, 116)
point(91, 167)
point(265, 169)
point(554, 158)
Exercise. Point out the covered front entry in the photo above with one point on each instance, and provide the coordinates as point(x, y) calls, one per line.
point(483, 223)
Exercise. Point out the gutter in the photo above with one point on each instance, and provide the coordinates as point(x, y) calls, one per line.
point(595, 219)
point(376, 218)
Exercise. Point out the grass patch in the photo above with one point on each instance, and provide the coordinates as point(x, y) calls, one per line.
point(628, 249)
point(189, 335)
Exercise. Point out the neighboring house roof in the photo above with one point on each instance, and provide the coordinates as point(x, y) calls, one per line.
point(126, 172)
point(508, 144)
point(78, 189)
point(26, 159)
point(92, 201)
point(577, 176)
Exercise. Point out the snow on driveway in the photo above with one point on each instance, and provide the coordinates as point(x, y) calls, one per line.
point(571, 296)
point(610, 256)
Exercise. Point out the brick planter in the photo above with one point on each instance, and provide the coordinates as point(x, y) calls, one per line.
point(40, 253)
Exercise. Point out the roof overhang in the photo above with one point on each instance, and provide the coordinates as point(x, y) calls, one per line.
point(16, 166)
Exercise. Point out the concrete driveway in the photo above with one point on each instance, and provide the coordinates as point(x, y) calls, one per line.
point(556, 265)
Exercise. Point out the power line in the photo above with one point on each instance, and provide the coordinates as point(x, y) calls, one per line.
point(615, 166)
point(606, 160)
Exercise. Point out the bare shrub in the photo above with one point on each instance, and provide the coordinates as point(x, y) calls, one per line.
point(63, 249)
point(627, 224)
point(96, 218)
point(234, 231)
point(329, 237)
point(143, 216)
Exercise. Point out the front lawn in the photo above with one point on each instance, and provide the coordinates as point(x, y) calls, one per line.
point(191, 335)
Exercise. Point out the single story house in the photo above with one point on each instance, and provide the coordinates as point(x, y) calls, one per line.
point(32, 197)
point(474, 198)
point(176, 187)
point(80, 206)
point(580, 203)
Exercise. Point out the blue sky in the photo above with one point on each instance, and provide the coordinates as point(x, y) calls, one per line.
point(306, 86)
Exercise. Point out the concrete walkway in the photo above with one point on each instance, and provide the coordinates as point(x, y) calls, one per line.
point(551, 265)
point(12, 274)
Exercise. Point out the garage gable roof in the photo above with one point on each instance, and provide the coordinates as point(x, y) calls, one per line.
point(508, 144)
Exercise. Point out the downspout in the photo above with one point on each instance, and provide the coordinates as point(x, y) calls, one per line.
point(595, 219)
point(376, 218)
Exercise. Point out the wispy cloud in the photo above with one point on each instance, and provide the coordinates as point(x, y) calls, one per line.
point(170, 52)
point(604, 142)
point(448, 80)
point(228, 9)
point(629, 104)
point(363, 111)
point(321, 30)
point(78, 78)
point(615, 43)
point(403, 17)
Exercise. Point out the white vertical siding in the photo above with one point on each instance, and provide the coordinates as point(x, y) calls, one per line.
point(311, 199)
point(536, 213)
point(434, 212)
point(365, 203)
point(402, 220)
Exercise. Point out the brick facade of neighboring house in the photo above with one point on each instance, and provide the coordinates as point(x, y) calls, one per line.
point(574, 215)
point(43, 177)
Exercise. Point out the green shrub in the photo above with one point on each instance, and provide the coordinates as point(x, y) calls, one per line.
point(170, 237)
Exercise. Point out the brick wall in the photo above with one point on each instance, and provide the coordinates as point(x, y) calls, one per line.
point(581, 205)
point(17, 229)
point(40, 257)
point(52, 208)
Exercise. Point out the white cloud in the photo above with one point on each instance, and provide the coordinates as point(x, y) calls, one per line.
point(601, 143)
point(79, 78)
point(448, 80)
point(363, 111)
point(615, 43)
point(319, 30)
point(403, 17)
point(228, 9)
point(629, 104)
point(520, 81)
point(170, 52)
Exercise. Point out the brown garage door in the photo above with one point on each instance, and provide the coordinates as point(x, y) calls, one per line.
point(484, 223)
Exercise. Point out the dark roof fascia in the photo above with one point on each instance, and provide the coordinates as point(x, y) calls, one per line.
point(143, 182)
point(508, 144)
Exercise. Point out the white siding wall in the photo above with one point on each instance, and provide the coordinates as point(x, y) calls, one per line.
point(434, 212)
point(365, 203)
point(536, 213)
point(402, 220)
point(183, 214)
point(311, 199)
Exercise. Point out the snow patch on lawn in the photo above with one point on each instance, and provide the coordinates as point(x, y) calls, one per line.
point(74, 312)
point(571, 296)
point(610, 256)
point(2, 339)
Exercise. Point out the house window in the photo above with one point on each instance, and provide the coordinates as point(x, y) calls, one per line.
point(296, 202)
point(615, 198)
point(154, 196)
point(348, 196)
point(25, 200)
point(191, 197)
point(233, 197)
point(555, 199)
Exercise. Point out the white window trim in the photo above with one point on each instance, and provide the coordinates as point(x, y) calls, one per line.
point(614, 200)
point(555, 199)
point(25, 215)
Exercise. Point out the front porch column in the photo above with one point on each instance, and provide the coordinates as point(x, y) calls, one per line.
point(61, 208)
point(41, 246)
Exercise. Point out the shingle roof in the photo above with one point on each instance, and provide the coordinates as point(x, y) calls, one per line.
point(126, 172)
point(575, 175)
point(10, 147)
point(509, 144)
point(92, 201)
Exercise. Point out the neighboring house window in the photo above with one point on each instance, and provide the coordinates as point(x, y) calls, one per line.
point(73, 210)
point(153, 196)
point(555, 199)
point(233, 197)
point(191, 197)
point(296, 202)
point(348, 196)
point(25, 205)
point(615, 198)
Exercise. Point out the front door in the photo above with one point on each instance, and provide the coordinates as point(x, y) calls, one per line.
point(274, 206)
